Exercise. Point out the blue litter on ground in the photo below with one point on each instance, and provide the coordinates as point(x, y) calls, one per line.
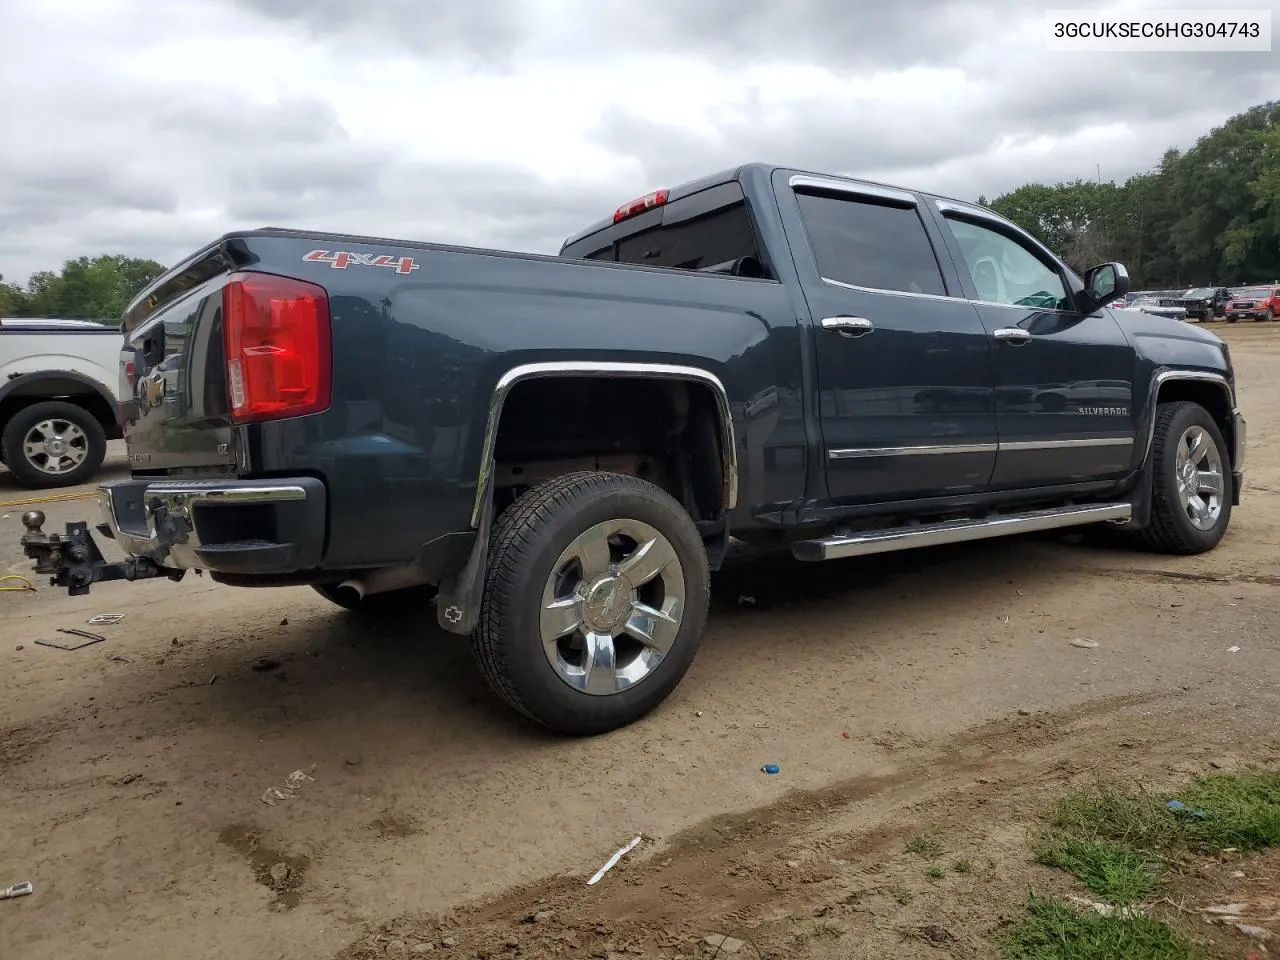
point(771, 768)
point(1177, 806)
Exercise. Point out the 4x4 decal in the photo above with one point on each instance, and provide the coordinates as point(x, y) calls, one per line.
point(341, 259)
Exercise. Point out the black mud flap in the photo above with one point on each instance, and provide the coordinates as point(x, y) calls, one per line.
point(458, 601)
point(74, 561)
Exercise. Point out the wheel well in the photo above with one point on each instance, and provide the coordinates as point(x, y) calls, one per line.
point(1207, 394)
point(67, 390)
point(668, 432)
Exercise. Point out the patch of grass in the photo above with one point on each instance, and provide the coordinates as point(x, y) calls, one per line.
point(1052, 930)
point(962, 865)
point(930, 848)
point(900, 893)
point(828, 931)
point(1114, 873)
point(1242, 811)
point(935, 872)
point(1113, 815)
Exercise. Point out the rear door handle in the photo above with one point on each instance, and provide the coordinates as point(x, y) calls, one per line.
point(1012, 335)
point(848, 326)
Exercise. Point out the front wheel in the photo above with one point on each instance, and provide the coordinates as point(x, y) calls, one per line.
point(1191, 481)
point(594, 603)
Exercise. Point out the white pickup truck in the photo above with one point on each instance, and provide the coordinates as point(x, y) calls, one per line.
point(60, 383)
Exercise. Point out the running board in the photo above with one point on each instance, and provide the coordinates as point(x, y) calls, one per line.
point(956, 531)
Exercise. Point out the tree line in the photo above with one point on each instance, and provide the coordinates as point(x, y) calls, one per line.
point(1209, 216)
point(1205, 217)
point(97, 288)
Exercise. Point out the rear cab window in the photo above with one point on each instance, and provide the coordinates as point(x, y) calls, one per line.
point(710, 230)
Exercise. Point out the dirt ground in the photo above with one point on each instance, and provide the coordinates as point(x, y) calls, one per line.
point(934, 691)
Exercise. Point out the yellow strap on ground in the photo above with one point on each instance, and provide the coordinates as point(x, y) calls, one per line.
point(51, 498)
point(26, 586)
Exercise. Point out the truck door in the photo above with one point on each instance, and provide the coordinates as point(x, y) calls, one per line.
point(1064, 381)
point(904, 380)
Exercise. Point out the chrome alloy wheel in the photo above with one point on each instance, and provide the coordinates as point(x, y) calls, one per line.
point(1198, 465)
point(55, 446)
point(611, 607)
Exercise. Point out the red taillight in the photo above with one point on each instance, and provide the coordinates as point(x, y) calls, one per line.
point(279, 357)
point(647, 202)
point(131, 374)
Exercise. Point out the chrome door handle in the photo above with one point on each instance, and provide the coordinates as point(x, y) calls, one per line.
point(848, 326)
point(1013, 335)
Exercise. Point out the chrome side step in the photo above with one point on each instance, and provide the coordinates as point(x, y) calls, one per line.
point(956, 531)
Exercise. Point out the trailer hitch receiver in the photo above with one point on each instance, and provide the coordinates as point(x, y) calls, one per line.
point(74, 561)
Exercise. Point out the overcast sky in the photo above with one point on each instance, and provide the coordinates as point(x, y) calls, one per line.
point(149, 127)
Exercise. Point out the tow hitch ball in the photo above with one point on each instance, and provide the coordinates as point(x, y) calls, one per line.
point(74, 560)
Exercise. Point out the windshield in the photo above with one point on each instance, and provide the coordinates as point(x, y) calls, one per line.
point(1257, 293)
point(1199, 293)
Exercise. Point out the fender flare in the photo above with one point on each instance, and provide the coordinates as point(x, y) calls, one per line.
point(458, 602)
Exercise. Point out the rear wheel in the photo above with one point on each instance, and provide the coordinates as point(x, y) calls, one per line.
point(53, 444)
point(1191, 481)
point(594, 604)
point(1269, 315)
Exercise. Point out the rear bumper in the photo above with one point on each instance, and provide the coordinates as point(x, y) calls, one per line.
point(223, 526)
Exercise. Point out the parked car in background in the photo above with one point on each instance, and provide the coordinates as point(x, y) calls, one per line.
point(58, 398)
point(1206, 303)
point(1254, 303)
point(1160, 307)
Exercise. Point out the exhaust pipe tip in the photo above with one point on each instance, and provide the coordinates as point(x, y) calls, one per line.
point(352, 587)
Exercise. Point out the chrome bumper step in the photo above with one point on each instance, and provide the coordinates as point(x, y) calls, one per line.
point(957, 531)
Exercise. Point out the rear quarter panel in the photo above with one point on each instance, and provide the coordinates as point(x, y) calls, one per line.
point(417, 356)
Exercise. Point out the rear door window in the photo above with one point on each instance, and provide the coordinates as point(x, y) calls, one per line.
point(870, 243)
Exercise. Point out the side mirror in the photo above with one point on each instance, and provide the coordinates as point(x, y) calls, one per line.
point(1103, 284)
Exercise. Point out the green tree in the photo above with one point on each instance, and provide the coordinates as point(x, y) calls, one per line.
point(12, 299)
point(97, 288)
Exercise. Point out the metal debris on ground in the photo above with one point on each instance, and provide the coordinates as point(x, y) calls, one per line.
point(105, 618)
point(1233, 649)
point(1084, 643)
point(613, 861)
point(17, 890)
point(86, 639)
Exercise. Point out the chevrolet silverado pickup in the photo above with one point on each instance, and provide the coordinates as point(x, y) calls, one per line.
point(556, 450)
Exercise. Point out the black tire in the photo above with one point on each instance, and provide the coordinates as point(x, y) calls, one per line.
point(28, 472)
point(528, 539)
point(1269, 315)
point(1171, 529)
point(388, 605)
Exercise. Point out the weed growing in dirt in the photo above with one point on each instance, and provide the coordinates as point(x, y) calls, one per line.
point(962, 865)
point(1241, 810)
point(930, 848)
point(1117, 874)
point(935, 872)
point(899, 893)
point(828, 931)
point(1051, 930)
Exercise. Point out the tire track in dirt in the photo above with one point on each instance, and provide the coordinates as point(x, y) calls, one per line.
point(832, 853)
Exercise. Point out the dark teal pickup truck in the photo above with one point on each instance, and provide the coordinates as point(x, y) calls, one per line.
point(554, 451)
